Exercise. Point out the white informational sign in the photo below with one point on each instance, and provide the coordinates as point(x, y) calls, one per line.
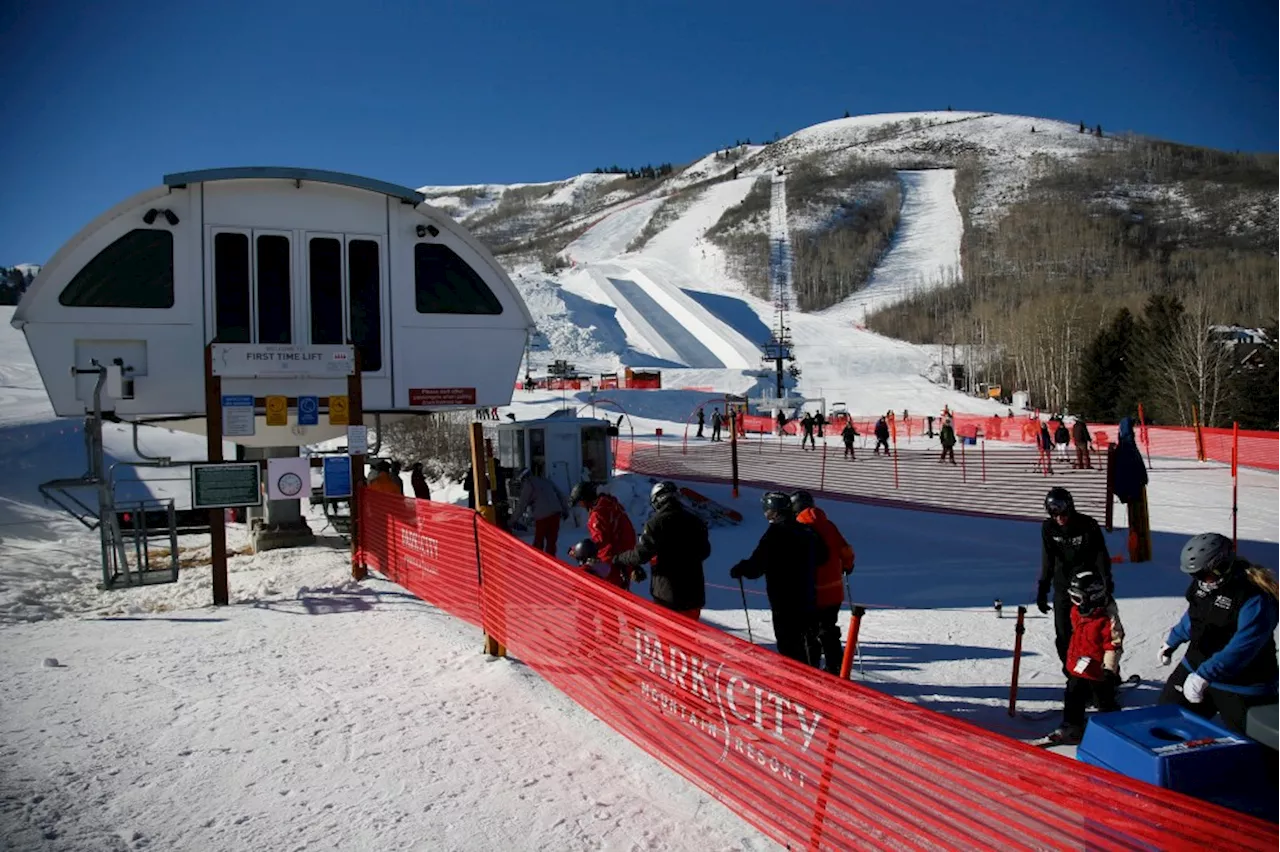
point(274, 360)
point(288, 479)
point(237, 416)
point(357, 440)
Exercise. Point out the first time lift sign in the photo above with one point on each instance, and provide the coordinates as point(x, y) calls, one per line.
point(253, 361)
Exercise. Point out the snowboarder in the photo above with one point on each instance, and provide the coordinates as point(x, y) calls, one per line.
point(820, 420)
point(882, 436)
point(1229, 625)
point(824, 642)
point(677, 543)
point(947, 436)
point(1093, 655)
point(1071, 542)
point(806, 424)
point(1082, 439)
point(702, 421)
point(847, 435)
point(788, 556)
point(608, 525)
point(546, 504)
point(418, 481)
point(716, 422)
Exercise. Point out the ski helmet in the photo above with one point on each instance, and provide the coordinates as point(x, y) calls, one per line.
point(800, 501)
point(583, 492)
point(1207, 552)
point(584, 551)
point(662, 494)
point(1059, 502)
point(776, 504)
point(1087, 591)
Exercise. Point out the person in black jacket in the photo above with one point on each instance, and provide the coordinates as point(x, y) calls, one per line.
point(882, 436)
point(1071, 543)
point(1229, 628)
point(677, 543)
point(788, 557)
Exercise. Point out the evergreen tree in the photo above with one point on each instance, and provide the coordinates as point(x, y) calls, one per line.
point(1255, 384)
point(1104, 392)
point(1162, 319)
point(846, 113)
point(1098, 131)
point(1082, 125)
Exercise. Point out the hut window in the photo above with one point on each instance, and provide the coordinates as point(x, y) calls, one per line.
point(445, 284)
point(135, 271)
point(275, 320)
point(366, 311)
point(232, 300)
point(325, 269)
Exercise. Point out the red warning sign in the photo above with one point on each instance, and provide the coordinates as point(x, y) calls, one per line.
point(442, 396)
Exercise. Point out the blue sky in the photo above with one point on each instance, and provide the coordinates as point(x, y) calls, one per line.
point(101, 99)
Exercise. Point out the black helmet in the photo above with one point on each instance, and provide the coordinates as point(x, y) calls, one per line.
point(1087, 591)
point(1210, 552)
point(776, 503)
point(800, 501)
point(584, 551)
point(662, 493)
point(583, 492)
point(1059, 502)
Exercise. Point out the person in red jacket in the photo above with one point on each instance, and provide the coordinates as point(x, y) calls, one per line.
point(607, 524)
point(1093, 656)
point(824, 641)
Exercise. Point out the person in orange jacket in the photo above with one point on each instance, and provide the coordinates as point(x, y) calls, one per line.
point(383, 481)
point(825, 642)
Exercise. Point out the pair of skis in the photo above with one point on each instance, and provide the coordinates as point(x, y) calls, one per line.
point(1049, 740)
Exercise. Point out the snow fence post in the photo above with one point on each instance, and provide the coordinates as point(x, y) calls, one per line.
point(1018, 630)
point(822, 476)
point(480, 488)
point(964, 472)
point(733, 451)
point(1235, 480)
point(851, 641)
point(984, 458)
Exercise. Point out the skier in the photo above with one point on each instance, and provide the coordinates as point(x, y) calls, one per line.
point(782, 422)
point(787, 555)
point(1093, 655)
point(1062, 437)
point(418, 480)
point(608, 525)
point(806, 424)
point(676, 542)
point(1229, 625)
point(820, 420)
point(702, 420)
point(1082, 439)
point(847, 435)
point(716, 421)
point(824, 641)
point(1046, 448)
point(1071, 542)
point(586, 554)
point(947, 436)
point(546, 504)
point(882, 436)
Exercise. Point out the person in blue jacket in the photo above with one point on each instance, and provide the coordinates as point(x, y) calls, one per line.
point(1229, 628)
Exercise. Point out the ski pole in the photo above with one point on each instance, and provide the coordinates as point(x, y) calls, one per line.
point(745, 613)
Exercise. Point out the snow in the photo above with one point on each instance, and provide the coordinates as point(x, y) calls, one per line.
point(925, 252)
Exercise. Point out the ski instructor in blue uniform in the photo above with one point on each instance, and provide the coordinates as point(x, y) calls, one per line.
point(1229, 629)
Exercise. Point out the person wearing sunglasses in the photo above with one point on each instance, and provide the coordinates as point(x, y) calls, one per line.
point(1229, 629)
point(1071, 542)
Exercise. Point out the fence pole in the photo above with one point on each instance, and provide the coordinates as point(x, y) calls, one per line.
point(964, 476)
point(1195, 421)
point(893, 428)
point(1018, 630)
point(1235, 480)
point(984, 459)
point(1146, 435)
point(822, 477)
point(851, 641)
point(733, 452)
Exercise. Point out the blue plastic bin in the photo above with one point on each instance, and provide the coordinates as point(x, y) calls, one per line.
point(1176, 749)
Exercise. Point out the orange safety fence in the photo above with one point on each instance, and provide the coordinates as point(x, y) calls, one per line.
point(810, 760)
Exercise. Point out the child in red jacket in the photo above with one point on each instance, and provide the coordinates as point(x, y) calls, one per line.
point(1093, 657)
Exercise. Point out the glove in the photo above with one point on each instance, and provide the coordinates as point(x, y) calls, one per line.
point(564, 516)
point(1193, 688)
point(848, 570)
point(638, 574)
point(1166, 655)
point(1042, 604)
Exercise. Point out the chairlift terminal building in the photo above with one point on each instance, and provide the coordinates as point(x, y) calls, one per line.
point(274, 256)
